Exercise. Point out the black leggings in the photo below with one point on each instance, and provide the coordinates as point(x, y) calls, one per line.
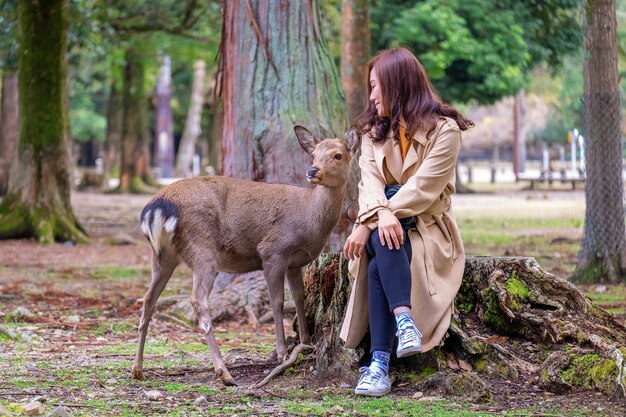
point(389, 282)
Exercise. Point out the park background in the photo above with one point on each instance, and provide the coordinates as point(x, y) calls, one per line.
point(150, 91)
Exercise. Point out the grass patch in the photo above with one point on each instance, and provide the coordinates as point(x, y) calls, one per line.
point(117, 328)
point(115, 273)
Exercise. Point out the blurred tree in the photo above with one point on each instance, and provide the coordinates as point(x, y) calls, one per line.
point(602, 254)
point(9, 108)
point(277, 71)
point(38, 199)
point(475, 49)
point(355, 53)
point(192, 125)
point(135, 157)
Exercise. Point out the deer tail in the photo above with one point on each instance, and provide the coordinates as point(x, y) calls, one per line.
point(159, 219)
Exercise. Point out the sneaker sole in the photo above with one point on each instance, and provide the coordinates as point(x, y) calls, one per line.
point(409, 352)
point(373, 393)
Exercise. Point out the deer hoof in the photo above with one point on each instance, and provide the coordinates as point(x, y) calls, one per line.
point(137, 373)
point(226, 378)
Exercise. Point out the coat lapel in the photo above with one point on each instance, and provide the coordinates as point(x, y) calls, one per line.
point(411, 156)
point(389, 156)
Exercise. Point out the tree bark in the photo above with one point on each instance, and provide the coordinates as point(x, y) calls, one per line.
point(9, 125)
point(277, 71)
point(602, 254)
point(134, 154)
point(355, 52)
point(192, 124)
point(505, 308)
point(115, 116)
point(38, 199)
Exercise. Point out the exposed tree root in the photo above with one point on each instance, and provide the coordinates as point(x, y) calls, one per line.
point(286, 364)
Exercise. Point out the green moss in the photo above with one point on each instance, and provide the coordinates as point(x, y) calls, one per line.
point(517, 288)
point(494, 317)
point(481, 364)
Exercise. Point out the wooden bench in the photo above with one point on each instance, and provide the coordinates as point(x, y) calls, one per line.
point(552, 176)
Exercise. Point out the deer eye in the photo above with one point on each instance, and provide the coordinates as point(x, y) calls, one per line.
point(338, 156)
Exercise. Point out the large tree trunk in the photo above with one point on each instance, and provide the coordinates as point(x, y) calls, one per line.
point(38, 199)
point(355, 52)
point(192, 124)
point(134, 166)
point(602, 254)
point(115, 116)
point(277, 71)
point(512, 317)
point(9, 125)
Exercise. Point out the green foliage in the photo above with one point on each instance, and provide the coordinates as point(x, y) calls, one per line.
point(8, 34)
point(479, 50)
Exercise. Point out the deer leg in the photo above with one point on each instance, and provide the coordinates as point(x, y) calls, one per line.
point(162, 270)
point(296, 285)
point(203, 280)
point(274, 271)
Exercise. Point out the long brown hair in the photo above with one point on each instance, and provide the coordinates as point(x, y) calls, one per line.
point(406, 91)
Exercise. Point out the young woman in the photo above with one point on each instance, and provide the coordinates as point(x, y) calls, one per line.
point(405, 251)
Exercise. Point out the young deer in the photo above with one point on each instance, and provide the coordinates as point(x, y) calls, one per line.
point(226, 224)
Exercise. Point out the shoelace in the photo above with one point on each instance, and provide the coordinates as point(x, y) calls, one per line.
point(370, 377)
point(402, 332)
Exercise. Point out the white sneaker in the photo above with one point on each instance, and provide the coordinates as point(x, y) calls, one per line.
point(409, 341)
point(373, 382)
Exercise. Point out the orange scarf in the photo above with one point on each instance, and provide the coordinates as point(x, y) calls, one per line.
point(405, 142)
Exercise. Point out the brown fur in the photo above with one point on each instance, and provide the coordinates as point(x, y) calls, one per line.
point(233, 225)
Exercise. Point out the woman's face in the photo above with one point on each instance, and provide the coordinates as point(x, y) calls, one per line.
point(376, 95)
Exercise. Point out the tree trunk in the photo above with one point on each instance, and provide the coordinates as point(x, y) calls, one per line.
point(192, 124)
point(134, 147)
point(277, 71)
point(115, 116)
point(512, 318)
point(602, 254)
point(9, 125)
point(38, 199)
point(355, 52)
point(164, 129)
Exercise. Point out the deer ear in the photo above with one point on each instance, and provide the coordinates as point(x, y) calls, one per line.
point(353, 141)
point(306, 138)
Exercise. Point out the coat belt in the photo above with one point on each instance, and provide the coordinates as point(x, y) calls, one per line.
point(441, 212)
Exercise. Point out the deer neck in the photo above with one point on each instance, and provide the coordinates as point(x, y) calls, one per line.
point(326, 202)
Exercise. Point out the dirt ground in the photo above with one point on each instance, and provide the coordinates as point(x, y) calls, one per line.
point(75, 342)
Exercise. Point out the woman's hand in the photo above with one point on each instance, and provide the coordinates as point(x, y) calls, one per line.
point(389, 230)
point(355, 244)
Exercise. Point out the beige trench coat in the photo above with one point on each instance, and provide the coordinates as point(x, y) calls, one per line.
point(438, 260)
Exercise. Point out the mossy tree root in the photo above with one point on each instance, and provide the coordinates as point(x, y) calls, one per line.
point(47, 225)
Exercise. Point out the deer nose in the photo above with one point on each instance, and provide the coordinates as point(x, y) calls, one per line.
point(310, 173)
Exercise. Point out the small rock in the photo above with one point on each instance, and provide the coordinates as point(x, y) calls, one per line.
point(430, 399)
point(337, 409)
point(10, 333)
point(34, 409)
point(344, 385)
point(201, 401)
point(68, 243)
point(111, 381)
point(121, 239)
point(600, 289)
point(59, 412)
point(22, 312)
point(39, 398)
point(75, 318)
point(418, 395)
point(153, 395)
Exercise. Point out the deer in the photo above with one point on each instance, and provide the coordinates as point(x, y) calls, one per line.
point(218, 223)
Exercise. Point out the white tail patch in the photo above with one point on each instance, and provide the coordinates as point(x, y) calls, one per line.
point(154, 230)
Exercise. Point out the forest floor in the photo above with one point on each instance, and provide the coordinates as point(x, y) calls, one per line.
point(69, 314)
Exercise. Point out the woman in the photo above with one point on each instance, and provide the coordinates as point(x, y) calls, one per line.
point(406, 251)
